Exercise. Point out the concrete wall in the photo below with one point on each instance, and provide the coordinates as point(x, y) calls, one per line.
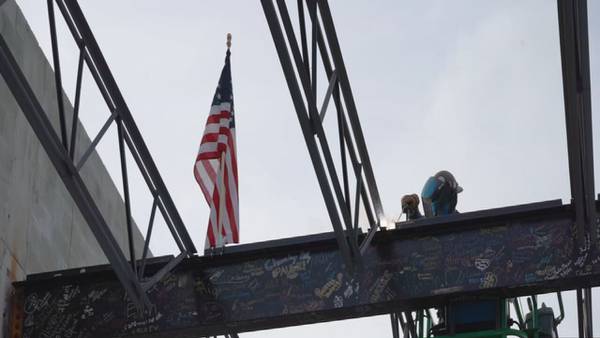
point(41, 228)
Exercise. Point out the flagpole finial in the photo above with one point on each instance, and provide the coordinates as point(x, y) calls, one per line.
point(228, 40)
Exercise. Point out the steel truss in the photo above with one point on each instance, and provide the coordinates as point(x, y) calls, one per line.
point(576, 84)
point(301, 75)
point(61, 151)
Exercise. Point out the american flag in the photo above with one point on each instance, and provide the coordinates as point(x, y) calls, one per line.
point(216, 165)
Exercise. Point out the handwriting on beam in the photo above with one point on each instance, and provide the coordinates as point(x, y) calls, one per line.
point(287, 286)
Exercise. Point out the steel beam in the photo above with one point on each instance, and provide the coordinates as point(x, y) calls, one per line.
point(505, 252)
point(573, 28)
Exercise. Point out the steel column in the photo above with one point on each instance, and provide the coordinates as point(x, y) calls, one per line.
point(584, 313)
point(581, 322)
point(572, 19)
point(395, 326)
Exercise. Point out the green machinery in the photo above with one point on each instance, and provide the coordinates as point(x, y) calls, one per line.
point(482, 318)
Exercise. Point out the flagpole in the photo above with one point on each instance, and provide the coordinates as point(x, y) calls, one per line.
point(221, 185)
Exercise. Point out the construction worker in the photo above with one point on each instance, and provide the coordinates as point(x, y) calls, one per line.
point(410, 207)
point(440, 194)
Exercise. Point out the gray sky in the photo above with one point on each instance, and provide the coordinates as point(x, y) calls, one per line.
point(473, 87)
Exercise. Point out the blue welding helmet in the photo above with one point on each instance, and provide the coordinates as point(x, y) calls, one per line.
point(439, 194)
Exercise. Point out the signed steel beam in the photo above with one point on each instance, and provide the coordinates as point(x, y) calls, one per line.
point(508, 252)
